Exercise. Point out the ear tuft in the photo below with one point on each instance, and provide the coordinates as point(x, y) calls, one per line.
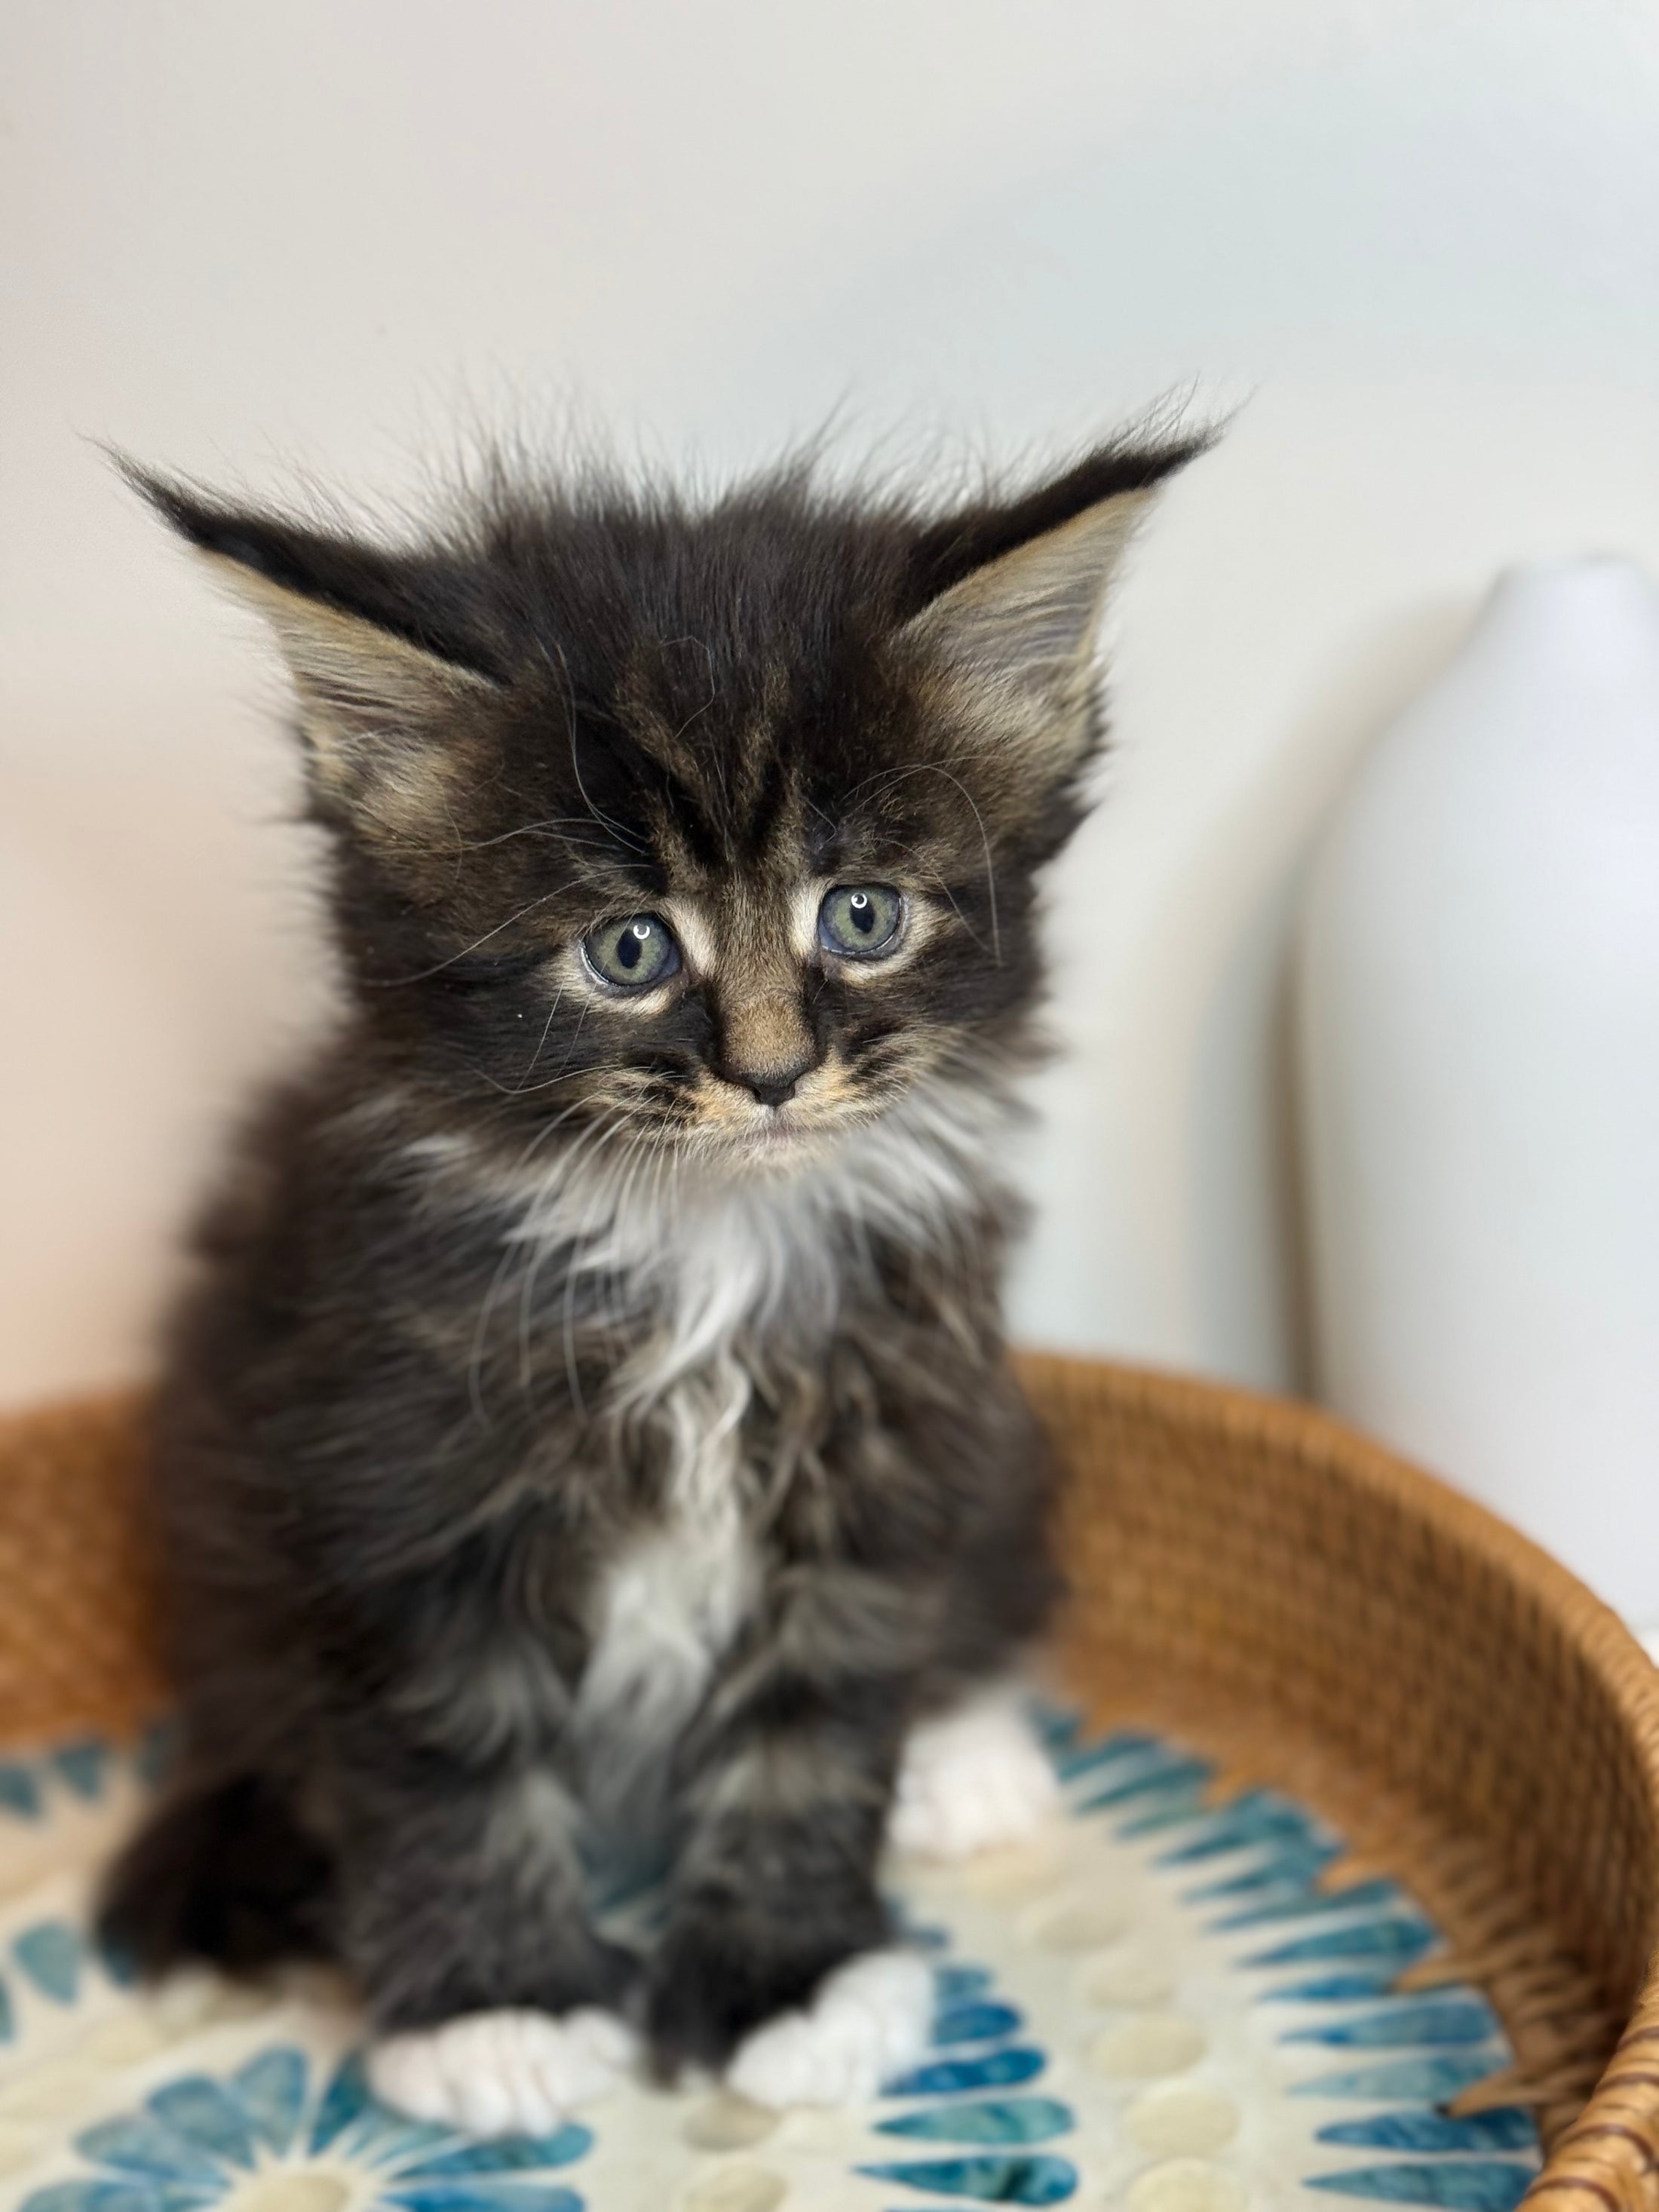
point(1014, 632)
point(380, 676)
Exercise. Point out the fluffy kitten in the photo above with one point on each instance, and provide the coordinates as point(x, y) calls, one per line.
point(589, 1448)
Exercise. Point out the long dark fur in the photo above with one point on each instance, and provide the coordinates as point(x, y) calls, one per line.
point(442, 1377)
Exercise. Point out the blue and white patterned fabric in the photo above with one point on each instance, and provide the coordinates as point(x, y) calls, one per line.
point(1159, 2005)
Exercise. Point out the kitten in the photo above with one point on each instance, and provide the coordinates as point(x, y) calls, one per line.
point(589, 1447)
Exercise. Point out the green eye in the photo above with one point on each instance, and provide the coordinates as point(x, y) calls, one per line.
point(860, 921)
point(632, 954)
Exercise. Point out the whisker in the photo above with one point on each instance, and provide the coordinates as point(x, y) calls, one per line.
point(888, 778)
point(604, 820)
point(395, 983)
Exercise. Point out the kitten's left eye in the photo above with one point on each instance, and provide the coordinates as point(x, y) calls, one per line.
point(632, 954)
point(860, 921)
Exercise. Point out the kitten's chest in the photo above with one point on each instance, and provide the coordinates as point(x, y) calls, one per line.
point(676, 1595)
point(665, 1610)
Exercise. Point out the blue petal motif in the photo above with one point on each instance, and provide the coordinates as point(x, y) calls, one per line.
point(205, 2114)
point(345, 2100)
point(20, 1793)
point(49, 1953)
point(1111, 1751)
point(1185, 1776)
point(1335, 1989)
point(1484, 2184)
point(925, 1937)
point(1404, 2024)
point(976, 2022)
point(1010, 2120)
point(83, 1765)
point(92, 2196)
point(8, 2023)
point(952, 1983)
point(272, 2089)
point(1286, 1899)
point(1362, 1896)
point(952, 2077)
point(1367, 1939)
point(1041, 2180)
point(1291, 1871)
point(1405, 2081)
point(458, 2196)
point(186, 2150)
point(119, 1965)
point(504, 2154)
point(1057, 1726)
point(1272, 1881)
point(1181, 1809)
point(1258, 1817)
point(1508, 2128)
point(137, 2143)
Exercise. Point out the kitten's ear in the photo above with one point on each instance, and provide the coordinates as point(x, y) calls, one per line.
point(1015, 628)
point(380, 674)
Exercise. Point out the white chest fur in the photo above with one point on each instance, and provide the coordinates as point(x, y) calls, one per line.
point(669, 1607)
point(671, 1601)
point(709, 1272)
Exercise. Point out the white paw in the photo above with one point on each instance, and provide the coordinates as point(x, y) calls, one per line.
point(973, 1780)
point(508, 2073)
point(870, 2020)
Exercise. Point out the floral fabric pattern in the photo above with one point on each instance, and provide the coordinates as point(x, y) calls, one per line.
point(1162, 2005)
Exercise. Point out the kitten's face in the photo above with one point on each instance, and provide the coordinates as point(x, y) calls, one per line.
point(740, 926)
point(694, 837)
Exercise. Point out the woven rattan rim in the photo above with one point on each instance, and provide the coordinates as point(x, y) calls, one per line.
point(1287, 1596)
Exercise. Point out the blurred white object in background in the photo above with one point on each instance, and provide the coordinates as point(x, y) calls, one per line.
point(1478, 1066)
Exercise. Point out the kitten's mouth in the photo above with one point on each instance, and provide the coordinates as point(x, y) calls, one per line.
point(744, 1134)
point(778, 1139)
point(776, 1135)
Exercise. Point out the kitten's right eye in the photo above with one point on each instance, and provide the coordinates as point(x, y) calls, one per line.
point(632, 954)
point(861, 922)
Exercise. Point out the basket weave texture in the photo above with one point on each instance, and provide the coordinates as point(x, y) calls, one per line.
point(1288, 1597)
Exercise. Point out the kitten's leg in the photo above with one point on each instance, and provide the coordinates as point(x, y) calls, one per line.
point(220, 1870)
point(775, 1888)
point(971, 1779)
point(490, 1995)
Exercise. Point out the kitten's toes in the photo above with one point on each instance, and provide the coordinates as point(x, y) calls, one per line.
point(869, 2020)
point(973, 1780)
point(507, 2072)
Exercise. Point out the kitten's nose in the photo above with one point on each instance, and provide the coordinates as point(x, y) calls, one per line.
point(765, 1044)
point(772, 1090)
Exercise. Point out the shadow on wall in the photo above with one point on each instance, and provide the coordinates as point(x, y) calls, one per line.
point(1246, 1252)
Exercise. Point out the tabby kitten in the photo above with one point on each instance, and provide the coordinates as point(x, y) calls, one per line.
point(589, 1449)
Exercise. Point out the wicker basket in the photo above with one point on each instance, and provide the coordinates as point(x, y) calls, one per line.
point(1287, 1597)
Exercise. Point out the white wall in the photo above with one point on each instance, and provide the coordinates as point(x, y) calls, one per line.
point(1415, 243)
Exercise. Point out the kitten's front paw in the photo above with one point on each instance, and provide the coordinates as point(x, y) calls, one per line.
point(868, 2022)
point(974, 1780)
point(507, 2072)
point(719, 1975)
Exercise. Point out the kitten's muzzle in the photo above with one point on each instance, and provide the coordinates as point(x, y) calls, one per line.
point(765, 1044)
